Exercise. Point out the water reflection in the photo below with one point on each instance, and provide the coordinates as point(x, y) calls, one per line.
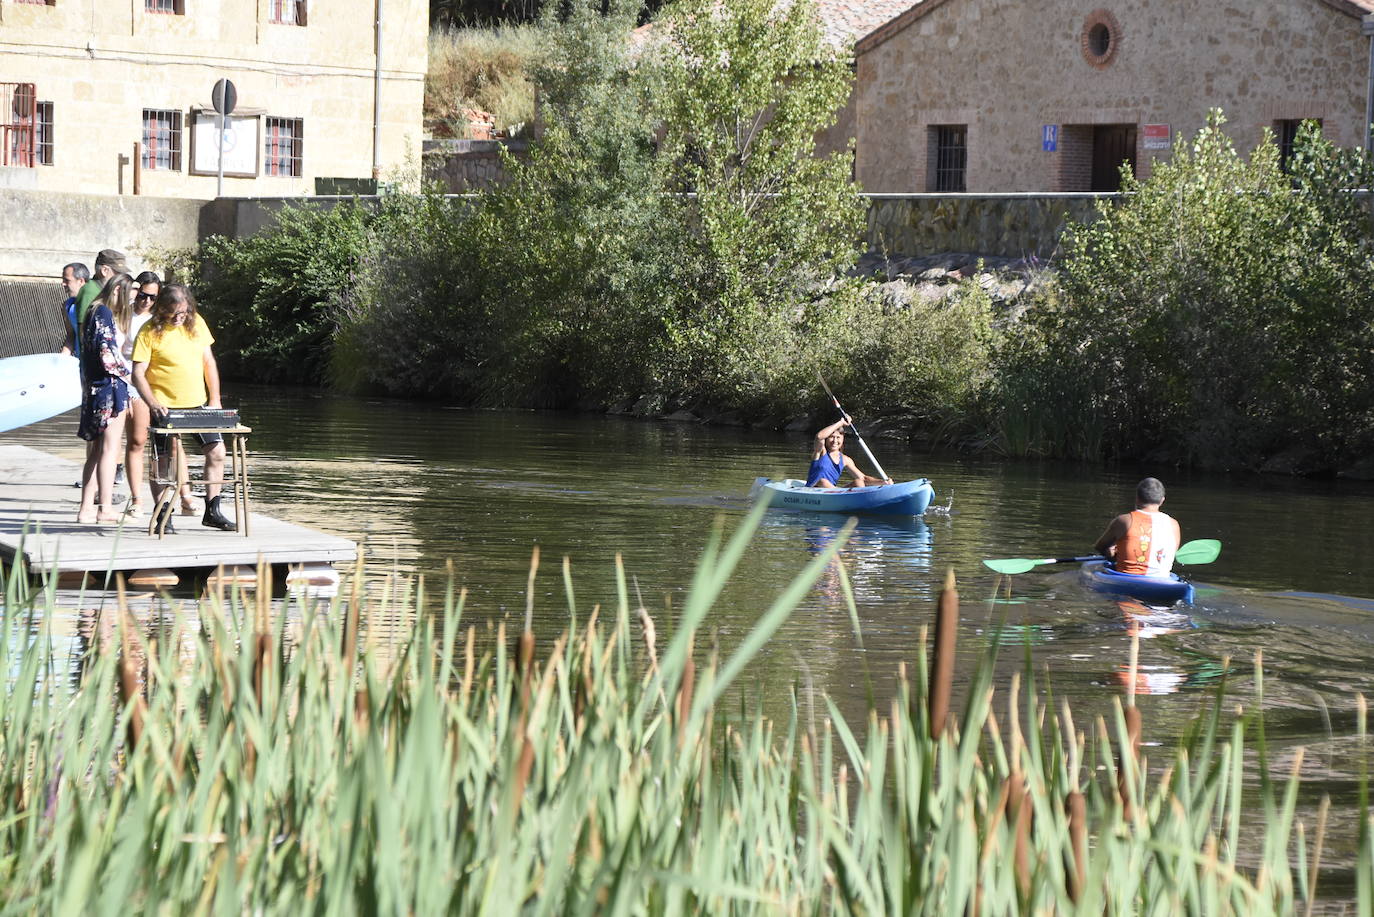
point(877, 548)
point(1149, 622)
point(422, 485)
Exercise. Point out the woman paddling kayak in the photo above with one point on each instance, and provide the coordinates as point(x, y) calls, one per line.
point(828, 460)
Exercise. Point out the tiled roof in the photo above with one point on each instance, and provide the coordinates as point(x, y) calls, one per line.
point(843, 22)
point(846, 21)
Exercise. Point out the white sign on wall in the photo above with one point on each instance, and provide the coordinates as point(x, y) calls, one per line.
point(242, 144)
point(1157, 137)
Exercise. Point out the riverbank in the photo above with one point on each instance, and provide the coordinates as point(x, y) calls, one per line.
point(1159, 335)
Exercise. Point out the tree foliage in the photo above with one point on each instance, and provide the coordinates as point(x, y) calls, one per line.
point(1218, 313)
point(669, 226)
point(749, 84)
point(267, 296)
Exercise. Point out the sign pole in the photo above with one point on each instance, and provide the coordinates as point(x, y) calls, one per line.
point(224, 97)
point(219, 184)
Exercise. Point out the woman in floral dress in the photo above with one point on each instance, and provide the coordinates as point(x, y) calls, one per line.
point(105, 398)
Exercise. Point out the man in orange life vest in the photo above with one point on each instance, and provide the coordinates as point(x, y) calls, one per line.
point(1144, 540)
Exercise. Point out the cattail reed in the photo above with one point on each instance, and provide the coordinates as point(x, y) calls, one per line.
point(942, 664)
point(1128, 762)
point(1019, 812)
point(1077, 808)
point(684, 694)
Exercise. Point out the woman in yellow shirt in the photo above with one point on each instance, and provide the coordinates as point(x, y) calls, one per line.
point(174, 367)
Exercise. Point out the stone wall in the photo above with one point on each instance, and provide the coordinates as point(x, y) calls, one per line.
point(1006, 225)
point(40, 231)
point(44, 230)
point(463, 166)
point(1006, 68)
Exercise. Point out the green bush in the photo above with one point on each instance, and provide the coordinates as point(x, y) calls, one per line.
point(646, 245)
point(268, 297)
point(930, 361)
point(1216, 314)
point(398, 326)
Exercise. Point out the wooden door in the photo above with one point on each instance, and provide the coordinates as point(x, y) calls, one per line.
point(1112, 145)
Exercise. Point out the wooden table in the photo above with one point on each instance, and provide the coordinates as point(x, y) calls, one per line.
point(235, 473)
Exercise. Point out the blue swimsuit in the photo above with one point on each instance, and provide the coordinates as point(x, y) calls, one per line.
point(824, 467)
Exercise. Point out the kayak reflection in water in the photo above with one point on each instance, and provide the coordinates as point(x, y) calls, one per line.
point(828, 460)
point(1142, 542)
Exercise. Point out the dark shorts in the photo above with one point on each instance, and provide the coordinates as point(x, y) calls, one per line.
point(162, 442)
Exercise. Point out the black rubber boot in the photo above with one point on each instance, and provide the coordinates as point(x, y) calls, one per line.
point(165, 516)
point(214, 519)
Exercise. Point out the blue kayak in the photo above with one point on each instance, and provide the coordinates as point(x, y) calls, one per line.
point(907, 498)
point(1152, 590)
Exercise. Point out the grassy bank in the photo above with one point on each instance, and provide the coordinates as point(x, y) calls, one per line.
point(486, 70)
point(368, 758)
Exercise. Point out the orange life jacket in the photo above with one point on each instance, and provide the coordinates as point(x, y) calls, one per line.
point(1147, 549)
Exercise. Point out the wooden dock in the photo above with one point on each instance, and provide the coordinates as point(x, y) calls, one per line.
point(38, 517)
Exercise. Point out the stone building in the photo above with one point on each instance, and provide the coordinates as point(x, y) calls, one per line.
point(105, 99)
point(842, 23)
point(1051, 96)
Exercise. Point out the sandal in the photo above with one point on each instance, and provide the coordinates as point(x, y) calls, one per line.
point(133, 511)
point(187, 507)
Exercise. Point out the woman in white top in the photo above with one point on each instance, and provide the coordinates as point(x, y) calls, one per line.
point(136, 431)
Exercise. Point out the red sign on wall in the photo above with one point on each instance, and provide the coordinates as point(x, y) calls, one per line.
point(1156, 136)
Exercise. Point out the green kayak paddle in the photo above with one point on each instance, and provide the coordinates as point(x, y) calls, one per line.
point(1201, 551)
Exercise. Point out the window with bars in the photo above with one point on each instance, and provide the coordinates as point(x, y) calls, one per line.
point(949, 145)
point(286, 12)
point(44, 139)
point(166, 7)
point(161, 140)
point(18, 120)
point(1286, 132)
point(284, 138)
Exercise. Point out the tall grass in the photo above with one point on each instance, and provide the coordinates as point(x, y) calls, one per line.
point(243, 761)
point(484, 69)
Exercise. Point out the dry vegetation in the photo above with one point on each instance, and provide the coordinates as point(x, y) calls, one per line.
point(480, 69)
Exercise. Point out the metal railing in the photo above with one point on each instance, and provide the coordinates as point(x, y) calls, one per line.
point(18, 124)
point(34, 321)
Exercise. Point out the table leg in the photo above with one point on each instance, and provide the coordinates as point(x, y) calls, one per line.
point(241, 480)
point(170, 491)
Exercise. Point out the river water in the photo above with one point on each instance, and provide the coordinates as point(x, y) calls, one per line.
point(423, 484)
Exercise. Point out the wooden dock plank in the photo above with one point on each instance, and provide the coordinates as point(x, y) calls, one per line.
point(38, 510)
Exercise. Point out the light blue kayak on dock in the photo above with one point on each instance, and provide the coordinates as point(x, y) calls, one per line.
point(906, 498)
point(36, 387)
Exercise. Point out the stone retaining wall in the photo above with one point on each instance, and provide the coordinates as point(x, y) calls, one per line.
point(1006, 225)
point(463, 166)
point(42, 230)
